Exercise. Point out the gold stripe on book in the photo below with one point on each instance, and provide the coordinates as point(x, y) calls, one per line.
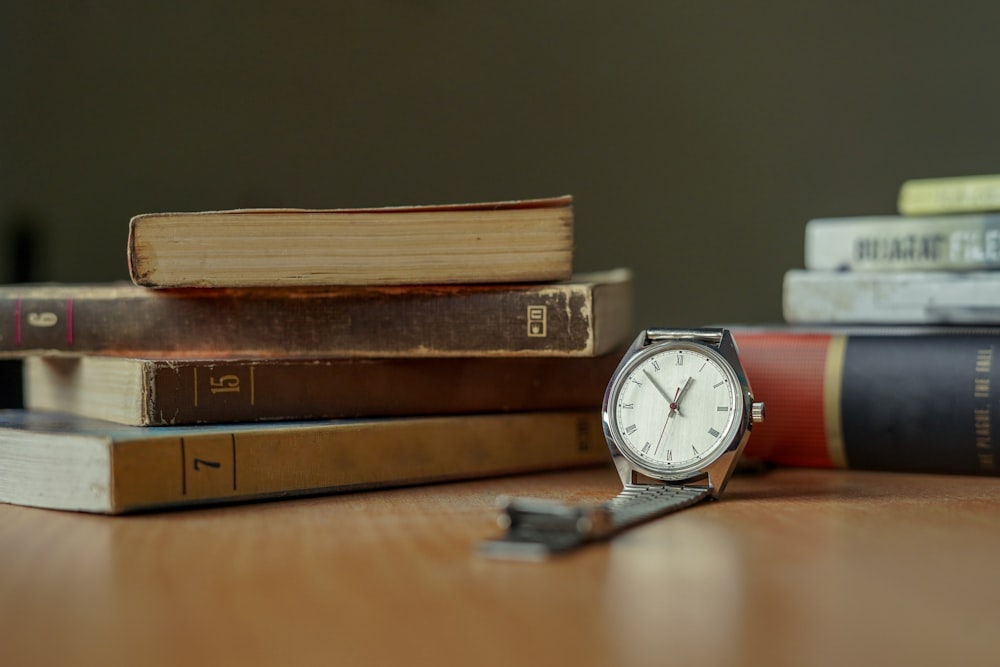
point(833, 377)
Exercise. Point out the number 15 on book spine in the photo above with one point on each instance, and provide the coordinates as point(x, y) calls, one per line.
point(223, 384)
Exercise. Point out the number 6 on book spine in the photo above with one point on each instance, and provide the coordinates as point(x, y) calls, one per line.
point(209, 466)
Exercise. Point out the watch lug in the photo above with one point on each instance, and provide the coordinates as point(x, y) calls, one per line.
point(720, 470)
point(729, 351)
point(623, 467)
point(641, 341)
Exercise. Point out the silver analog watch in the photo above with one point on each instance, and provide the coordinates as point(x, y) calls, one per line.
point(677, 414)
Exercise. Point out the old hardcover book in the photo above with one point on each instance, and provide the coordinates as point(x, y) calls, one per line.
point(514, 241)
point(956, 194)
point(892, 399)
point(74, 463)
point(904, 243)
point(585, 316)
point(158, 392)
point(907, 297)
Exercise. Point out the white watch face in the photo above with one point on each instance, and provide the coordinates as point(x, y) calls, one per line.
point(675, 408)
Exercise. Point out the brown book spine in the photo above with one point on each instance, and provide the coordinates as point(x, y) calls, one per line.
point(483, 320)
point(145, 392)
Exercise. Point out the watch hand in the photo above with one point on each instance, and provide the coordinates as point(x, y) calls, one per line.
point(663, 432)
point(675, 405)
point(656, 384)
point(675, 408)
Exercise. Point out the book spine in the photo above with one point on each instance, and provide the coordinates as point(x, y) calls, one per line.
point(246, 465)
point(933, 196)
point(906, 403)
point(918, 297)
point(900, 243)
point(161, 392)
point(554, 319)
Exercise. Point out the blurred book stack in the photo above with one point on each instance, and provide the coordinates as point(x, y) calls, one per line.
point(934, 263)
point(886, 357)
point(267, 353)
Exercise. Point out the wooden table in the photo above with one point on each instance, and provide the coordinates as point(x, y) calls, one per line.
point(794, 567)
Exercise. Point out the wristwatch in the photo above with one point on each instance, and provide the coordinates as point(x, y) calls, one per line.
point(677, 414)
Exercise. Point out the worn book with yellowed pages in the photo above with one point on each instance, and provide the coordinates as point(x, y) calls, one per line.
point(510, 241)
point(61, 461)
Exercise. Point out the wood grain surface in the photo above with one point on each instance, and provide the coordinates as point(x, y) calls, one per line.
point(794, 567)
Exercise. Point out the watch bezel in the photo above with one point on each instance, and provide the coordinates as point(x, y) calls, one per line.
point(628, 463)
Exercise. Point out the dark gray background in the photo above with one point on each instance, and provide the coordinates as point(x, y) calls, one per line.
point(697, 137)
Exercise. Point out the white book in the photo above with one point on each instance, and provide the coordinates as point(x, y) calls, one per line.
point(965, 242)
point(919, 297)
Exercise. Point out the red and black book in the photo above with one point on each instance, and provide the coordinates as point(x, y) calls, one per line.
point(893, 399)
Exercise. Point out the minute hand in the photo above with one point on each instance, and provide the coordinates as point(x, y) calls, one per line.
point(663, 392)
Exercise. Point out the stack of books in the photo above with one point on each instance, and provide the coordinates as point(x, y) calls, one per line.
point(934, 263)
point(268, 353)
point(886, 357)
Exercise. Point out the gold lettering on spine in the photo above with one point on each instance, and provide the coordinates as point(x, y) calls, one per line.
point(984, 361)
point(981, 414)
point(982, 387)
point(833, 378)
point(984, 439)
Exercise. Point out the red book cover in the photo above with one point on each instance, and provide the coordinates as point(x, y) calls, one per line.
point(787, 371)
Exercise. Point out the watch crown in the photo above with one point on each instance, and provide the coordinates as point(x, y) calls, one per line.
point(757, 412)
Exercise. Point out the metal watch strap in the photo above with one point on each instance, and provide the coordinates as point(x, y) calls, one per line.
point(538, 528)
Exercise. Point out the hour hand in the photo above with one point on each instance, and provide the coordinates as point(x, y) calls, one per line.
point(675, 405)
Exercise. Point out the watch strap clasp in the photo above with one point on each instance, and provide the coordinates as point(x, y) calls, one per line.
point(538, 528)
